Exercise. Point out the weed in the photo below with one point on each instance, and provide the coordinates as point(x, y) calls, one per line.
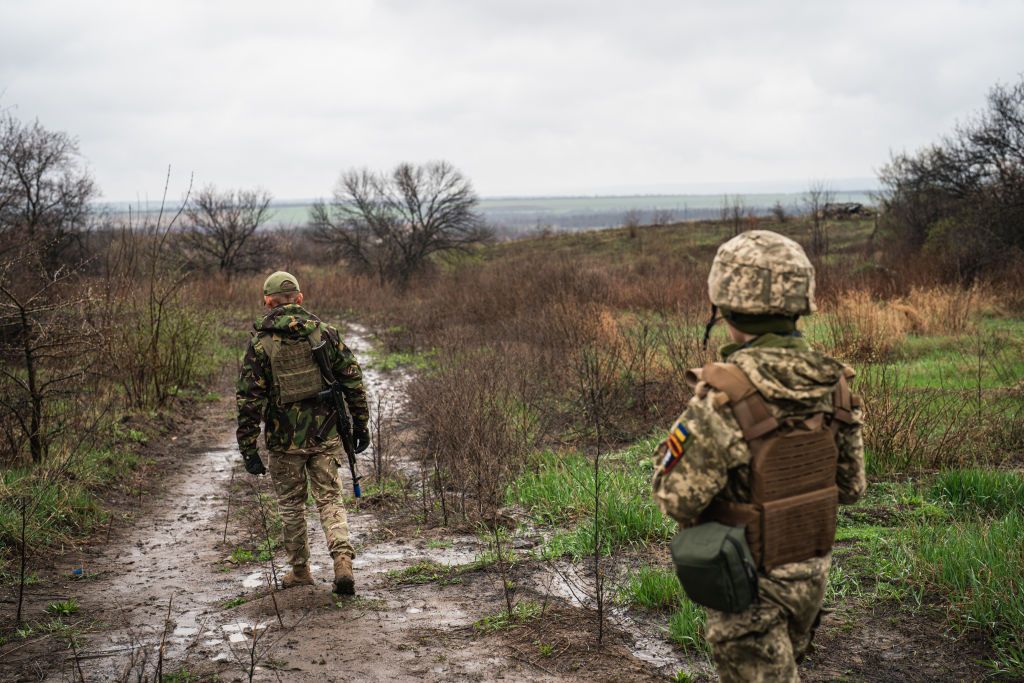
point(241, 556)
point(979, 492)
point(426, 572)
point(233, 602)
point(63, 608)
point(559, 490)
point(653, 588)
point(545, 649)
point(521, 613)
point(439, 543)
point(979, 566)
point(686, 628)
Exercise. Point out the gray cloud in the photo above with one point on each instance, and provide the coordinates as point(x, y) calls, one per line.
point(526, 96)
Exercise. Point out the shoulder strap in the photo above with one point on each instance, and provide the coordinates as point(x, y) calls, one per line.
point(843, 402)
point(748, 406)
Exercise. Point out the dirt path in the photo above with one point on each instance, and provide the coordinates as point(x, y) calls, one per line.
point(162, 594)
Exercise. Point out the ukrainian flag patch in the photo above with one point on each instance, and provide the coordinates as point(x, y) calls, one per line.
point(676, 443)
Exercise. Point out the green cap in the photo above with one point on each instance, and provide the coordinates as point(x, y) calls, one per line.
point(280, 283)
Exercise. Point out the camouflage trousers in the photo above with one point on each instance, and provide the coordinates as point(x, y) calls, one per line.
point(292, 472)
point(765, 642)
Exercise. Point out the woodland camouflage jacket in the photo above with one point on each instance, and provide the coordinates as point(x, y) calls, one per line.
point(292, 426)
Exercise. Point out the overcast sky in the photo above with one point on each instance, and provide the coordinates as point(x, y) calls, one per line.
point(525, 96)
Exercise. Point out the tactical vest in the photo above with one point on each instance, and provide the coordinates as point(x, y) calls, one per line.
point(295, 373)
point(791, 515)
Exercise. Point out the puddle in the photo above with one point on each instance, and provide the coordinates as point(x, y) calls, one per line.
point(382, 557)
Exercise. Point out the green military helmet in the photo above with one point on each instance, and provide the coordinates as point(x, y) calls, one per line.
point(280, 283)
point(762, 273)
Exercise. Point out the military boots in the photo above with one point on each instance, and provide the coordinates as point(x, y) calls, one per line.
point(344, 582)
point(298, 576)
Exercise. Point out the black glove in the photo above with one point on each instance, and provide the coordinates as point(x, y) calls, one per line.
point(360, 438)
point(253, 464)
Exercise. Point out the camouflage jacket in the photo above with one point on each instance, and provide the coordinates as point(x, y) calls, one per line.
point(715, 462)
point(293, 426)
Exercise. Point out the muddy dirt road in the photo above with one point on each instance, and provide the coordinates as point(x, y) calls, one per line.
point(163, 594)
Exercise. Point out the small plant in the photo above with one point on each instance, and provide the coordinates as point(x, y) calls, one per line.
point(686, 628)
point(241, 556)
point(653, 588)
point(439, 543)
point(520, 614)
point(425, 572)
point(63, 608)
point(545, 649)
point(234, 602)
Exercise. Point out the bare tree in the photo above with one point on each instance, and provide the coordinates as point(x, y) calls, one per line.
point(43, 343)
point(779, 212)
point(391, 224)
point(732, 212)
point(631, 221)
point(662, 217)
point(45, 193)
point(819, 195)
point(223, 227)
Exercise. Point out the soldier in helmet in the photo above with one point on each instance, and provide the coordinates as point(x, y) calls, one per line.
point(770, 443)
point(279, 385)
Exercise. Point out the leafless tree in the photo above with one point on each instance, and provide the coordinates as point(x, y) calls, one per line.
point(631, 221)
point(662, 217)
point(779, 212)
point(733, 212)
point(390, 224)
point(223, 227)
point(43, 344)
point(819, 194)
point(45, 193)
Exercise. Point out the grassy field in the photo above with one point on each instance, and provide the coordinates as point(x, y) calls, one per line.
point(940, 366)
point(597, 211)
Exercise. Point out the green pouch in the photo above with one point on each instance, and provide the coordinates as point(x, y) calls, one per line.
point(715, 566)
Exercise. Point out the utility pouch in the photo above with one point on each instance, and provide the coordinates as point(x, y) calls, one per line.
point(715, 566)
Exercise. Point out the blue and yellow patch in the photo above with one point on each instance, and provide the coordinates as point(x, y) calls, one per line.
point(676, 443)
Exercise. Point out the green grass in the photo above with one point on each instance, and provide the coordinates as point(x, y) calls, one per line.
point(61, 502)
point(522, 612)
point(395, 360)
point(63, 608)
point(425, 572)
point(978, 567)
point(234, 602)
point(976, 491)
point(558, 490)
point(686, 628)
point(652, 588)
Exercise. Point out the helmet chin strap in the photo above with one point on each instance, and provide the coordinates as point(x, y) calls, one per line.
point(711, 323)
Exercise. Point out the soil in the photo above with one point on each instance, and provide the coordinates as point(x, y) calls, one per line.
point(162, 594)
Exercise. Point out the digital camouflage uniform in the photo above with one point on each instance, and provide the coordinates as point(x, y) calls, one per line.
point(764, 642)
point(296, 456)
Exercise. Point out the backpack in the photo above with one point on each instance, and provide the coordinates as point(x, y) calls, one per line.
point(296, 376)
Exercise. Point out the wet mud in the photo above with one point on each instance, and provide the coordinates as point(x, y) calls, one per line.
point(162, 593)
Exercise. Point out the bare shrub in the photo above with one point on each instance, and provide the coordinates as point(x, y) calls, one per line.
point(950, 309)
point(910, 429)
point(859, 329)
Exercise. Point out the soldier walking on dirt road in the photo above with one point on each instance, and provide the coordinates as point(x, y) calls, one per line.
point(280, 385)
point(754, 469)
